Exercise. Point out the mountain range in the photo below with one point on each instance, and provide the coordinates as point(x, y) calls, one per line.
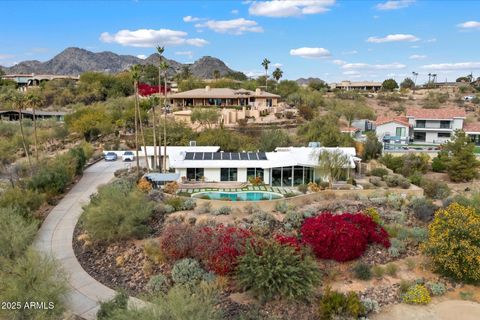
point(75, 61)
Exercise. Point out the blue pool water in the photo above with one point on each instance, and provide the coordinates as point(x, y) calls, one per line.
point(238, 196)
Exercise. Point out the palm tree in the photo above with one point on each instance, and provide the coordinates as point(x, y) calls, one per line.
point(160, 51)
point(164, 67)
point(265, 64)
point(136, 76)
point(216, 74)
point(277, 74)
point(34, 101)
point(19, 101)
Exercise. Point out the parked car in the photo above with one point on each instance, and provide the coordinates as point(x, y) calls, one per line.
point(468, 98)
point(128, 156)
point(111, 156)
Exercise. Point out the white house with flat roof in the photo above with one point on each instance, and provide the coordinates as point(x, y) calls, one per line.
point(290, 166)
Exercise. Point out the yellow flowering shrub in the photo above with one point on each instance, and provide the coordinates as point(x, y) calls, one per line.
point(143, 185)
point(313, 187)
point(171, 187)
point(454, 242)
point(373, 213)
point(417, 294)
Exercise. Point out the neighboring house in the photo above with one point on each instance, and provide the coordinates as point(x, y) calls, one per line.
point(395, 130)
point(286, 167)
point(33, 80)
point(224, 97)
point(360, 86)
point(14, 115)
point(473, 131)
point(435, 126)
point(352, 131)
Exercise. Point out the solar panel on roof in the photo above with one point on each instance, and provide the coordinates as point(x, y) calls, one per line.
point(207, 156)
point(226, 156)
point(262, 156)
point(243, 156)
point(217, 156)
point(198, 156)
point(253, 156)
point(235, 156)
point(189, 156)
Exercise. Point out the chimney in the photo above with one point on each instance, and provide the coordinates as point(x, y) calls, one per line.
point(258, 91)
point(207, 88)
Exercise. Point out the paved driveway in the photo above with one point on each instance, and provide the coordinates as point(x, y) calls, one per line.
point(55, 239)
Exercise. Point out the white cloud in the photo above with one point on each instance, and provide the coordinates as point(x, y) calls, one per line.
point(339, 62)
point(366, 66)
point(351, 73)
point(278, 65)
point(184, 53)
point(350, 52)
point(394, 4)
point(469, 25)
point(149, 38)
point(289, 8)
point(417, 57)
point(234, 11)
point(5, 56)
point(452, 66)
point(306, 52)
point(142, 56)
point(234, 26)
point(393, 38)
point(190, 19)
point(254, 73)
point(431, 40)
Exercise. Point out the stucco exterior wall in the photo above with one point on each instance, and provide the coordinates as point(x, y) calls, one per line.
point(391, 129)
point(211, 174)
point(457, 124)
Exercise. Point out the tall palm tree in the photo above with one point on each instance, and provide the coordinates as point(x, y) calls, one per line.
point(277, 74)
point(34, 101)
point(18, 100)
point(160, 51)
point(164, 67)
point(135, 72)
point(265, 64)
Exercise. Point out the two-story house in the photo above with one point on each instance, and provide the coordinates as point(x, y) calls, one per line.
point(434, 126)
point(393, 131)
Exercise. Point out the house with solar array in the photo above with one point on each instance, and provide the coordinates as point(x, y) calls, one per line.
point(284, 167)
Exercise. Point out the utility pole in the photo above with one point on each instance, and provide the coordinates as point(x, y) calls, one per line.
point(415, 74)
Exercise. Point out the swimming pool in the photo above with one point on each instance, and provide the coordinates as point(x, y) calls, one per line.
point(237, 196)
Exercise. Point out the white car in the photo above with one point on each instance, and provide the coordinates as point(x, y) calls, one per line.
point(128, 156)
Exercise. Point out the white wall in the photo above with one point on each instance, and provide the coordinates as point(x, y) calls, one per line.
point(211, 174)
point(457, 124)
point(390, 128)
point(242, 175)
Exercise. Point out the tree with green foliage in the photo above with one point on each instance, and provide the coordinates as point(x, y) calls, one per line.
point(332, 164)
point(287, 87)
point(317, 85)
point(372, 148)
point(216, 74)
point(265, 64)
point(407, 83)
point(389, 85)
point(271, 139)
point(355, 111)
point(227, 140)
point(16, 233)
point(461, 163)
point(205, 117)
point(277, 74)
point(19, 101)
point(89, 122)
point(325, 129)
point(34, 101)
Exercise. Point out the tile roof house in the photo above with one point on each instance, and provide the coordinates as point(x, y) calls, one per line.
point(394, 130)
point(435, 126)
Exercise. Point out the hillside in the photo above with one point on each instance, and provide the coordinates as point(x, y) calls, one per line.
point(74, 61)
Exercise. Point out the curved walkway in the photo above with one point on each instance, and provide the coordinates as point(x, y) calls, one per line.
point(55, 239)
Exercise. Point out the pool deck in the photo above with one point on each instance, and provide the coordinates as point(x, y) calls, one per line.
point(281, 190)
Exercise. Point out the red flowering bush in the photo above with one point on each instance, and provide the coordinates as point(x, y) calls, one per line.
point(219, 248)
point(177, 241)
point(342, 237)
point(289, 241)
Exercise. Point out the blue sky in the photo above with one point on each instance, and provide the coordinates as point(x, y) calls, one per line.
point(333, 40)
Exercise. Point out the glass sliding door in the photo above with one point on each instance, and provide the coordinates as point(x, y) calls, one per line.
point(276, 177)
point(298, 175)
point(287, 177)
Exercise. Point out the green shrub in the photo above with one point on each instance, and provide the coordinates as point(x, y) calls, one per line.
point(176, 202)
point(336, 305)
point(24, 201)
point(263, 222)
point(79, 158)
point(418, 235)
point(436, 288)
point(273, 270)
point(416, 178)
point(189, 204)
point(438, 164)
point(223, 210)
point(117, 213)
point(362, 271)
point(158, 283)
point(293, 219)
point(168, 209)
point(370, 305)
point(53, 177)
point(281, 206)
point(378, 271)
point(391, 269)
point(379, 172)
point(108, 308)
point(435, 189)
point(396, 180)
point(16, 233)
point(423, 209)
point(32, 277)
point(303, 188)
point(205, 207)
point(417, 294)
point(187, 272)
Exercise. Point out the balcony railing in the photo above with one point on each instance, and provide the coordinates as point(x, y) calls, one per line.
point(432, 126)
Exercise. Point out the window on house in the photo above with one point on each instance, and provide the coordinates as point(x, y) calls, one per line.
point(228, 174)
point(444, 134)
point(195, 174)
point(445, 124)
point(420, 123)
point(255, 172)
point(400, 132)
